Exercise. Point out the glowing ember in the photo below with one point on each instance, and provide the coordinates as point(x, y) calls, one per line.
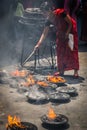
point(14, 122)
point(55, 79)
point(51, 114)
point(42, 83)
point(30, 80)
point(18, 73)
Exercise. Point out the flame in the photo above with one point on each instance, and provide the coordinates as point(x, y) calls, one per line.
point(18, 73)
point(42, 83)
point(55, 79)
point(14, 121)
point(30, 80)
point(51, 114)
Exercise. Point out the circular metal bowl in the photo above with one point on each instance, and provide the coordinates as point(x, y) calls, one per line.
point(59, 97)
point(50, 85)
point(59, 120)
point(27, 126)
point(67, 90)
point(57, 82)
point(41, 98)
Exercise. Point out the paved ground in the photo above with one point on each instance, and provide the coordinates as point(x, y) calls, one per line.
point(11, 102)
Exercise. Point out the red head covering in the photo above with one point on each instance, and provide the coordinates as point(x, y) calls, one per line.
point(58, 11)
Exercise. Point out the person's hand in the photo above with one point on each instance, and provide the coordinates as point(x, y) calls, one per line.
point(36, 47)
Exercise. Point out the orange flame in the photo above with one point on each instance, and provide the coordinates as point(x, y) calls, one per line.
point(42, 83)
point(18, 73)
point(14, 121)
point(51, 114)
point(30, 80)
point(55, 79)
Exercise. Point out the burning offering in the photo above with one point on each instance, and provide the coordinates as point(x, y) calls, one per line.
point(54, 119)
point(14, 123)
point(42, 83)
point(56, 79)
point(30, 80)
point(51, 114)
point(18, 73)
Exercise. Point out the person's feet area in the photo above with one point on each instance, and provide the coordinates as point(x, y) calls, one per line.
point(59, 73)
point(76, 75)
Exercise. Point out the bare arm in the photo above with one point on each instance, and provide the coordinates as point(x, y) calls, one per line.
point(43, 36)
point(68, 20)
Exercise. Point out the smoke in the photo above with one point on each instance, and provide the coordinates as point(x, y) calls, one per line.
point(17, 39)
point(8, 43)
point(6, 32)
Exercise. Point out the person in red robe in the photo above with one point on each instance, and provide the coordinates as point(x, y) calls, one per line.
point(66, 58)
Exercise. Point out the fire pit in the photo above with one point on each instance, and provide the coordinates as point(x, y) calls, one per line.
point(54, 119)
point(56, 79)
point(25, 126)
point(59, 97)
point(45, 84)
point(47, 87)
point(36, 96)
point(59, 120)
point(19, 73)
point(68, 90)
point(14, 123)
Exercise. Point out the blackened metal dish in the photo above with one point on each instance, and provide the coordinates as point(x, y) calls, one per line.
point(27, 126)
point(57, 82)
point(59, 120)
point(67, 90)
point(37, 97)
point(59, 97)
point(50, 85)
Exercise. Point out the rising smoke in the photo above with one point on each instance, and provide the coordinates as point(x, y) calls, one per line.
point(17, 38)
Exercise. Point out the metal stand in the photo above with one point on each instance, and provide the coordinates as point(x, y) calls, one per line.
point(36, 57)
point(52, 54)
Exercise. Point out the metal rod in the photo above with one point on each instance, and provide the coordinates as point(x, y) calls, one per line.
point(28, 57)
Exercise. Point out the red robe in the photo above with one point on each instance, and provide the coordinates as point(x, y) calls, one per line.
point(66, 59)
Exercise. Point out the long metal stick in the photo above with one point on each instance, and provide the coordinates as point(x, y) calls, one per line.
point(28, 57)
